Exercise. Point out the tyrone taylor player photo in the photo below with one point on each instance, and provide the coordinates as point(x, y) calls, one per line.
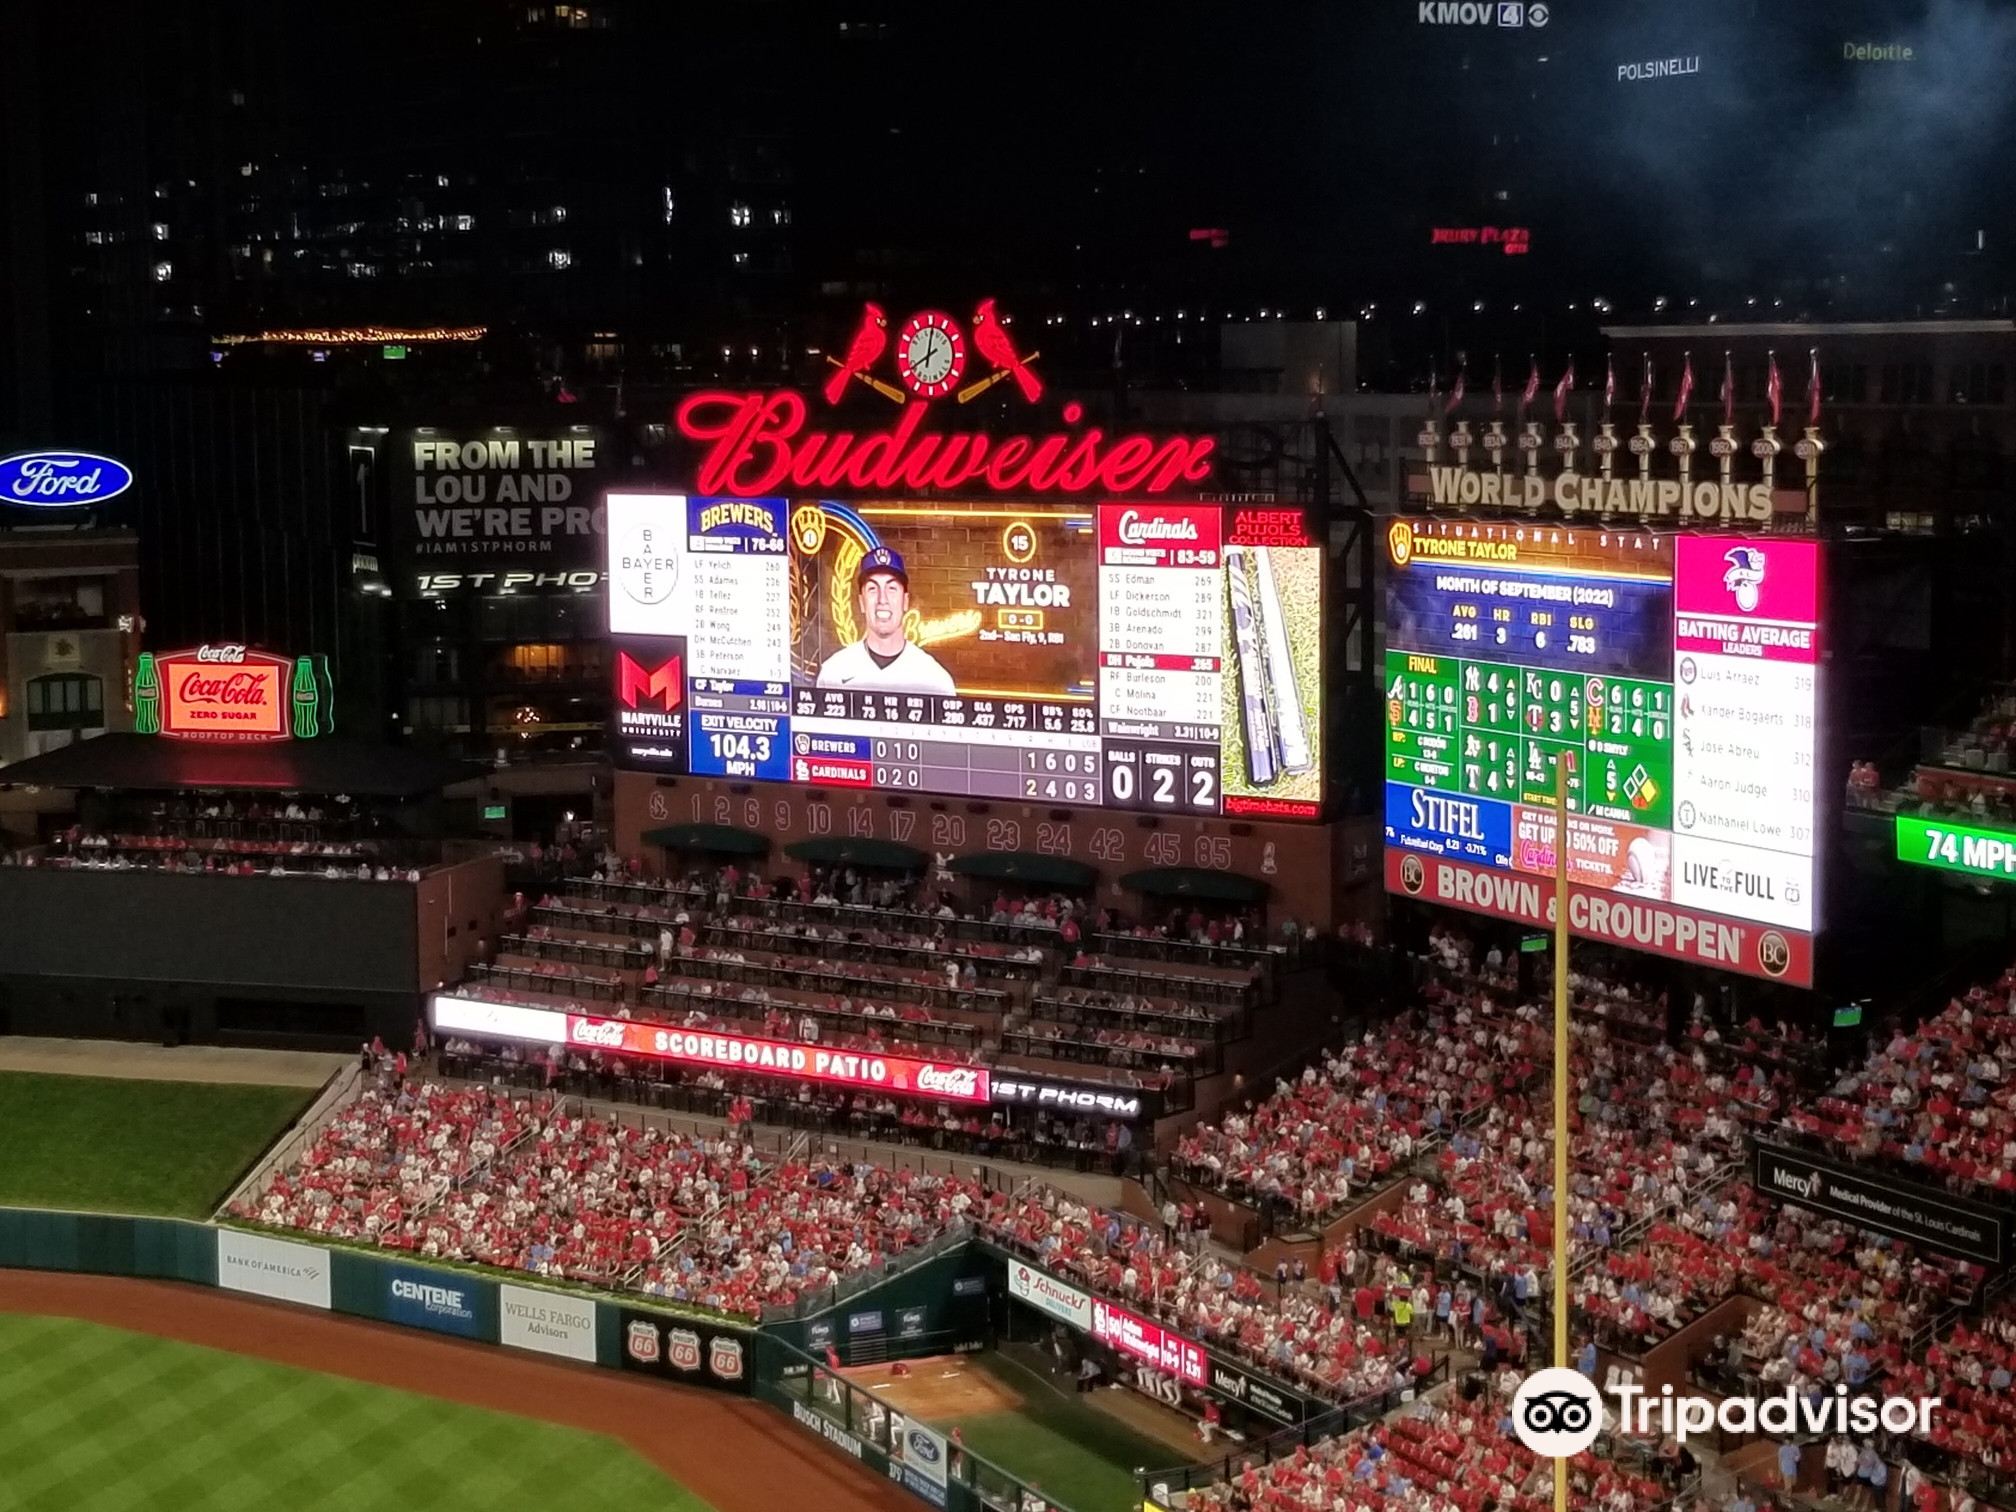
point(884, 660)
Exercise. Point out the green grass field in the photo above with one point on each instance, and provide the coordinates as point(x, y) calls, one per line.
point(1083, 1457)
point(171, 1149)
point(101, 1420)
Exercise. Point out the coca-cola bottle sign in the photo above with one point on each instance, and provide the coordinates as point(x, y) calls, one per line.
point(218, 692)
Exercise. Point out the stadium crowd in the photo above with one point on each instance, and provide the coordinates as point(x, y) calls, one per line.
point(1440, 1106)
point(475, 1174)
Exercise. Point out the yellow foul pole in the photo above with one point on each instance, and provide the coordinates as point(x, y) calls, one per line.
point(1561, 1168)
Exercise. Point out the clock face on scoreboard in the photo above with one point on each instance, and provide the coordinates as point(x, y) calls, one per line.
point(930, 354)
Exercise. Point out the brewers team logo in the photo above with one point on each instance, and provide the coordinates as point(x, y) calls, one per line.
point(642, 1343)
point(682, 1349)
point(1400, 542)
point(808, 528)
point(724, 1358)
point(1413, 875)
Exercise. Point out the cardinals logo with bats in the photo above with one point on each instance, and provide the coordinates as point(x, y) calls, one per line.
point(931, 353)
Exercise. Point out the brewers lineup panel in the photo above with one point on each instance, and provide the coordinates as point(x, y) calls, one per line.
point(1672, 678)
point(1162, 657)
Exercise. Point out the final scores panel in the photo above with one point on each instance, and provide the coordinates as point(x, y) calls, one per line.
point(1670, 678)
point(1162, 657)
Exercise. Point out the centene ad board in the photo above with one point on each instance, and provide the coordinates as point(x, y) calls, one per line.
point(750, 1054)
point(1148, 1341)
point(1672, 678)
point(1164, 657)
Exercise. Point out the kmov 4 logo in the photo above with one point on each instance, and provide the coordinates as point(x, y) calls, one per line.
point(1557, 1413)
point(1481, 13)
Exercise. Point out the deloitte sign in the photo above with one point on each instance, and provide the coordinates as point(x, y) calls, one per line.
point(1480, 13)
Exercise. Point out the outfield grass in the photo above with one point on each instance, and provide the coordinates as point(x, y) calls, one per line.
point(101, 1420)
point(154, 1147)
point(1063, 1445)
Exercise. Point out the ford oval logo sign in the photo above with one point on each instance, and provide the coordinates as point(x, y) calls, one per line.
point(61, 479)
point(924, 1447)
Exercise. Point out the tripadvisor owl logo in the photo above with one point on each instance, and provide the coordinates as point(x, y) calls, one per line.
point(1557, 1413)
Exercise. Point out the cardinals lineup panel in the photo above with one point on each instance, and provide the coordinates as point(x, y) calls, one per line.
point(1671, 677)
point(1163, 657)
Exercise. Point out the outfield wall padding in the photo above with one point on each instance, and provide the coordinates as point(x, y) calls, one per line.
point(160, 1249)
point(644, 1335)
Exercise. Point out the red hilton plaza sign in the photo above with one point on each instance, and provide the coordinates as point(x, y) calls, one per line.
point(767, 442)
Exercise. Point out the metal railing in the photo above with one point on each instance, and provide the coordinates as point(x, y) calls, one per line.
point(332, 1099)
point(1346, 1417)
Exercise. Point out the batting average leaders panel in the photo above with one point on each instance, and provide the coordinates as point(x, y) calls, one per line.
point(1195, 685)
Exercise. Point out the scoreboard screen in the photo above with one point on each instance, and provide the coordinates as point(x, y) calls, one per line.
point(1161, 657)
point(1671, 679)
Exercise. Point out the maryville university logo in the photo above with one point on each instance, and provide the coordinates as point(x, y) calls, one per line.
point(642, 1342)
point(724, 1358)
point(636, 685)
point(682, 1349)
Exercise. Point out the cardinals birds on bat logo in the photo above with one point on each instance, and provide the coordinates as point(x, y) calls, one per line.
point(869, 342)
point(931, 357)
point(994, 344)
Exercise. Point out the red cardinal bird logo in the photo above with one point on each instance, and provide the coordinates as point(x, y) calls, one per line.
point(862, 352)
point(992, 340)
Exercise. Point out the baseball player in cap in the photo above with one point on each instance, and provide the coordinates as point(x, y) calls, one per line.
point(884, 660)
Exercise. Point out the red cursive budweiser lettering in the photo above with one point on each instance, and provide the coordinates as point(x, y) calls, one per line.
point(240, 689)
point(758, 444)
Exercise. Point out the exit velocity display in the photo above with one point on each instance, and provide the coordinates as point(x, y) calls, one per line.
point(1159, 656)
point(1669, 680)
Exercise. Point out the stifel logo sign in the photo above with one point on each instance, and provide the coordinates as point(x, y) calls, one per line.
point(224, 693)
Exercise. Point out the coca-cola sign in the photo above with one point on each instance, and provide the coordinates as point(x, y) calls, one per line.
point(605, 1034)
point(217, 692)
point(961, 1082)
point(239, 689)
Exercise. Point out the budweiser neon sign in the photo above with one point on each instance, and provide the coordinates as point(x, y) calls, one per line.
point(766, 443)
